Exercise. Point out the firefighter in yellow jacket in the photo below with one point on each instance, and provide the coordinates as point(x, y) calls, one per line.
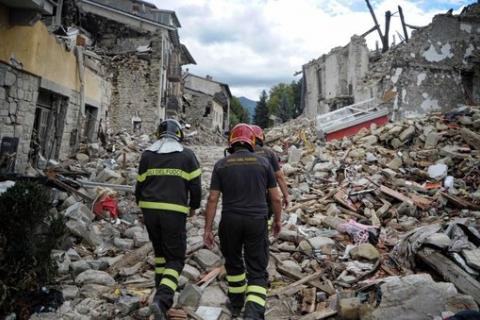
point(168, 189)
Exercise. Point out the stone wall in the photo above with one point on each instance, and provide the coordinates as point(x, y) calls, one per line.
point(433, 71)
point(135, 92)
point(196, 110)
point(216, 116)
point(204, 110)
point(332, 80)
point(18, 96)
point(205, 85)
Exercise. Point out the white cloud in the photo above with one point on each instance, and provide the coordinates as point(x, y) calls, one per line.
point(254, 44)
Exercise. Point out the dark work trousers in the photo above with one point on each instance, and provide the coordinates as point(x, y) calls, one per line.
point(244, 242)
point(167, 231)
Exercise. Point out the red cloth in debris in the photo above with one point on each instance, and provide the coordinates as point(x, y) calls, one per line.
point(106, 204)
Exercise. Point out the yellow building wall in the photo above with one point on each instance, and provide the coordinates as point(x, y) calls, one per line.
point(42, 55)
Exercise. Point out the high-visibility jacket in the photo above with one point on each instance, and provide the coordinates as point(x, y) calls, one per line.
point(169, 181)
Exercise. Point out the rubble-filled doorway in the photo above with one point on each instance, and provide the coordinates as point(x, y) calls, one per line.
point(48, 126)
point(471, 82)
point(91, 114)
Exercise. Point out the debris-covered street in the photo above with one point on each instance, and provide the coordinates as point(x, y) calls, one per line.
point(380, 149)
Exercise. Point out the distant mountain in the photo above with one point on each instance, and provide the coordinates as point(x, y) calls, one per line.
point(249, 105)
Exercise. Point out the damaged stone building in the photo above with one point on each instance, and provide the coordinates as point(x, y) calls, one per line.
point(330, 82)
point(74, 71)
point(209, 101)
point(436, 70)
point(143, 54)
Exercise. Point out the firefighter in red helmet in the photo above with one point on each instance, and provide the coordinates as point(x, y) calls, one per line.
point(245, 180)
point(272, 158)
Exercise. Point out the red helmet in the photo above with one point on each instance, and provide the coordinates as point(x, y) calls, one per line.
point(242, 132)
point(259, 134)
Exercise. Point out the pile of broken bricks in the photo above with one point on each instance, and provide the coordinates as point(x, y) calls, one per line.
point(380, 209)
point(375, 221)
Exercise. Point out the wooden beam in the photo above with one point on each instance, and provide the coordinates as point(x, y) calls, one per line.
point(413, 27)
point(404, 26)
point(397, 195)
point(451, 272)
point(368, 32)
point(309, 300)
point(377, 26)
point(470, 137)
point(386, 40)
point(319, 315)
point(311, 280)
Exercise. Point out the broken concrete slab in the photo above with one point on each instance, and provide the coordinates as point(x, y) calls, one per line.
point(207, 259)
point(412, 297)
point(80, 212)
point(95, 277)
point(472, 257)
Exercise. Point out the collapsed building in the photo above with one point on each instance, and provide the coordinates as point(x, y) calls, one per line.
point(75, 71)
point(209, 101)
point(435, 70)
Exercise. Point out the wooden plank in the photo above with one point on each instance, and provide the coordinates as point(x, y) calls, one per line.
point(309, 300)
point(342, 197)
point(470, 137)
point(302, 280)
point(319, 315)
point(460, 202)
point(422, 202)
point(397, 195)
point(451, 272)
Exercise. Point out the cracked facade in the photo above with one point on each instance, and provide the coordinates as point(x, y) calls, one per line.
point(61, 84)
point(209, 102)
point(438, 69)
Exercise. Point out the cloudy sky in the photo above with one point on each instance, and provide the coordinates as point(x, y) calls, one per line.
point(254, 44)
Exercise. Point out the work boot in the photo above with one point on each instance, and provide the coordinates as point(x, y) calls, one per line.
point(157, 312)
point(235, 311)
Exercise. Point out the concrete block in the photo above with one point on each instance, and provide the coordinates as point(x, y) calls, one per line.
point(207, 259)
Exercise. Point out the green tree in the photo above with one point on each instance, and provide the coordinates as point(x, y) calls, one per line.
point(297, 97)
point(281, 101)
point(238, 114)
point(261, 111)
point(285, 109)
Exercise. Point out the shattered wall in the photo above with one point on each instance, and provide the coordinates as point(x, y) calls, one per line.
point(33, 63)
point(331, 80)
point(203, 91)
point(198, 110)
point(135, 93)
point(435, 71)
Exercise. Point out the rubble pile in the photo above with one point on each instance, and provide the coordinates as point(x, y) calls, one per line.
point(370, 210)
point(105, 262)
point(382, 225)
point(201, 135)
